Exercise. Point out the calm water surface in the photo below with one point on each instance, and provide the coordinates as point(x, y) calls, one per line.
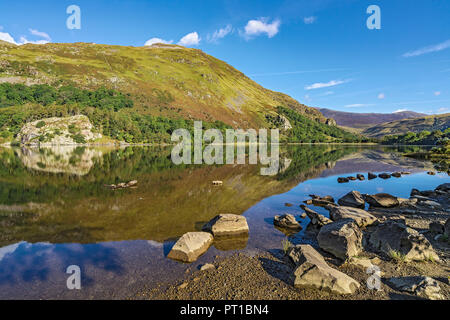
point(55, 210)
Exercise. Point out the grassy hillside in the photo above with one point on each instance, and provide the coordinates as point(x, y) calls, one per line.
point(130, 91)
point(430, 123)
point(365, 120)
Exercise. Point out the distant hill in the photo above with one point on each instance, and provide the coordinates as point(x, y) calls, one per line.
point(365, 120)
point(429, 123)
point(168, 85)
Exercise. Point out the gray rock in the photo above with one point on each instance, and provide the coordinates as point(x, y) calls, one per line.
point(444, 187)
point(207, 266)
point(421, 286)
point(371, 176)
point(392, 237)
point(286, 221)
point(190, 246)
point(352, 199)
point(313, 272)
point(227, 225)
point(447, 227)
point(361, 217)
point(343, 239)
point(317, 219)
point(382, 200)
point(436, 227)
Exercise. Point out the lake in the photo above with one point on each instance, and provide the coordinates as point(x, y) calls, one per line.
point(56, 211)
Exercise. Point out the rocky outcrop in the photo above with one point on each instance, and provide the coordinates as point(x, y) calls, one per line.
point(312, 271)
point(190, 246)
point(287, 221)
point(352, 199)
point(343, 239)
point(227, 225)
point(317, 219)
point(424, 287)
point(395, 238)
point(58, 131)
point(361, 217)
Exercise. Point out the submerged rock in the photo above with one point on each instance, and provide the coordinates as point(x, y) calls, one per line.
point(361, 217)
point(190, 246)
point(343, 238)
point(312, 271)
point(286, 221)
point(317, 219)
point(352, 199)
point(227, 225)
point(392, 237)
point(343, 180)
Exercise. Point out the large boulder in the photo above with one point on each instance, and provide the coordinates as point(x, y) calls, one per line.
point(392, 237)
point(421, 286)
point(190, 246)
point(444, 187)
point(227, 225)
point(352, 199)
point(287, 221)
point(447, 227)
point(317, 219)
point(343, 239)
point(312, 271)
point(361, 217)
point(382, 200)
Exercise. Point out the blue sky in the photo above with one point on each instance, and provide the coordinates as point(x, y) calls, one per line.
point(318, 51)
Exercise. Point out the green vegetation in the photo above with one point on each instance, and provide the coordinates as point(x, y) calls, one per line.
point(307, 130)
point(425, 137)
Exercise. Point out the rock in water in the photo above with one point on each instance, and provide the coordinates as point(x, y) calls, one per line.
point(425, 287)
point(343, 180)
point(361, 217)
point(227, 225)
point(352, 199)
point(371, 176)
point(343, 239)
point(313, 272)
point(316, 218)
point(360, 177)
point(287, 221)
point(382, 200)
point(444, 187)
point(384, 175)
point(397, 175)
point(392, 236)
point(190, 246)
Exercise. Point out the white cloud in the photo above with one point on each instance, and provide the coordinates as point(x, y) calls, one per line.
point(381, 96)
point(320, 85)
point(400, 110)
point(220, 34)
point(261, 26)
point(309, 20)
point(429, 49)
point(156, 40)
point(37, 33)
point(357, 105)
point(7, 37)
point(191, 39)
point(437, 93)
point(442, 110)
point(23, 40)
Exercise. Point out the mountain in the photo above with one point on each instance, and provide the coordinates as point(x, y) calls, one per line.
point(430, 123)
point(135, 94)
point(364, 120)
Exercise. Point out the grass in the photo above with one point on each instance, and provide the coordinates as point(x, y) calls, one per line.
point(286, 244)
point(397, 256)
